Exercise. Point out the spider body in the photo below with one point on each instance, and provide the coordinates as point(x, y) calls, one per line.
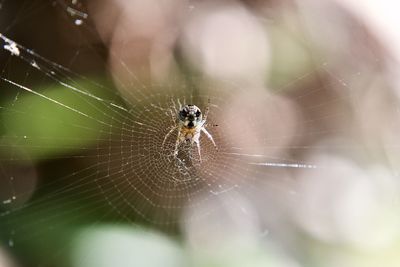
point(190, 125)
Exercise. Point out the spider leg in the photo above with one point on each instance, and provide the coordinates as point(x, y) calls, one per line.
point(174, 104)
point(198, 149)
point(179, 104)
point(167, 135)
point(209, 136)
point(176, 145)
point(172, 116)
point(174, 110)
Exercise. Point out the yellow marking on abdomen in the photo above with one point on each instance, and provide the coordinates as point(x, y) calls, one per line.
point(188, 131)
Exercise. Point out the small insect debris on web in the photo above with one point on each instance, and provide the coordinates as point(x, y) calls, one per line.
point(10, 46)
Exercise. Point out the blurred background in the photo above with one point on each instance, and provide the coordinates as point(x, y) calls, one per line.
point(304, 109)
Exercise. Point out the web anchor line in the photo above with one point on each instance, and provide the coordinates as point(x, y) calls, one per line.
point(15, 49)
point(285, 165)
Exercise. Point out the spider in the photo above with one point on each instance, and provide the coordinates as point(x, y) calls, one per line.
point(190, 123)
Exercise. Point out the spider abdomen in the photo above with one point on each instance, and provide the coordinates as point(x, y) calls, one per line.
point(189, 134)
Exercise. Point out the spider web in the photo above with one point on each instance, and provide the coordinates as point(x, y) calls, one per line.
point(128, 155)
point(95, 153)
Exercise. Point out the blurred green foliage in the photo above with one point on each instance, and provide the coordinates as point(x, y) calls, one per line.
point(43, 128)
